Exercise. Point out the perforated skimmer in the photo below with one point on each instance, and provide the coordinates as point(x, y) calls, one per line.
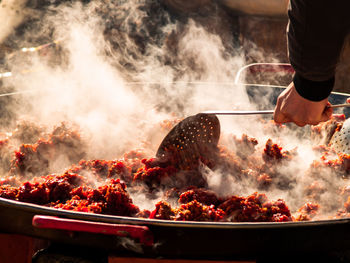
point(194, 137)
point(197, 137)
point(341, 139)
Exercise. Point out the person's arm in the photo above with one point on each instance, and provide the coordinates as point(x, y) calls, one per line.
point(316, 32)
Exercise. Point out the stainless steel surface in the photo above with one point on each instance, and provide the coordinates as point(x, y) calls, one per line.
point(218, 112)
point(258, 7)
point(227, 239)
point(253, 112)
point(187, 239)
point(341, 139)
point(340, 105)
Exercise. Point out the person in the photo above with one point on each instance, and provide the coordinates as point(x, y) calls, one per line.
point(316, 33)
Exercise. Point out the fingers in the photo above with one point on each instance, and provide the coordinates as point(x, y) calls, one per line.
point(278, 116)
point(291, 107)
point(327, 114)
point(300, 124)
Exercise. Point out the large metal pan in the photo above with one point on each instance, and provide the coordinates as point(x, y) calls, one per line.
point(274, 8)
point(172, 239)
point(180, 239)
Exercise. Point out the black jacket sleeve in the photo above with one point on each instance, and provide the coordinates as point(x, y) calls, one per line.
point(316, 33)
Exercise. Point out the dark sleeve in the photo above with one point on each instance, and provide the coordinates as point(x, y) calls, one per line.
point(316, 33)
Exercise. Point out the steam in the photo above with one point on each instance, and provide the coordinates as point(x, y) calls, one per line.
point(14, 13)
point(91, 91)
point(118, 75)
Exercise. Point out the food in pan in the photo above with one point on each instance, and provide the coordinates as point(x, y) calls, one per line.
point(265, 171)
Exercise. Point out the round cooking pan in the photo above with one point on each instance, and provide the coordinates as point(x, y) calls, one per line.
point(173, 239)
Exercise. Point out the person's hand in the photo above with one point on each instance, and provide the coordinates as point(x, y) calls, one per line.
point(291, 107)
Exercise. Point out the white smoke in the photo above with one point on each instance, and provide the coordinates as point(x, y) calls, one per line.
point(117, 86)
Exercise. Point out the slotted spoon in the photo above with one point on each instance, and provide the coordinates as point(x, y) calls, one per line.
point(193, 138)
point(196, 137)
point(340, 140)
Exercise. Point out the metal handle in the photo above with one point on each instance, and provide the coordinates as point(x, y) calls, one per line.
point(227, 112)
point(141, 233)
point(264, 67)
point(340, 105)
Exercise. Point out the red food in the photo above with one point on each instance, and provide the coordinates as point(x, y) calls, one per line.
point(102, 169)
point(255, 208)
point(192, 211)
point(107, 186)
point(117, 200)
point(8, 192)
point(203, 196)
point(347, 205)
point(246, 145)
point(111, 198)
point(152, 174)
point(322, 133)
point(10, 180)
point(35, 158)
point(80, 205)
point(307, 212)
point(51, 188)
point(338, 164)
point(36, 193)
point(195, 211)
point(163, 211)
point(272, 152)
